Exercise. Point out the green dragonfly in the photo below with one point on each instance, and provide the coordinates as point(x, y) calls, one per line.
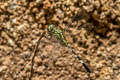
point(58, 33)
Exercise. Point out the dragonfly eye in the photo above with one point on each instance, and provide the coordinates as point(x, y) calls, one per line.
point(51, 27)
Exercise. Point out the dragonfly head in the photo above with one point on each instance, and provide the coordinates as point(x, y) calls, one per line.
point(51, 27)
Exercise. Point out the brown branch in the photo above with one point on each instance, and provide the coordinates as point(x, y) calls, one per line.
point(34, 54)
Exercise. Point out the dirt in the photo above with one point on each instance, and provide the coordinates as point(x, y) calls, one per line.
point(91, 27)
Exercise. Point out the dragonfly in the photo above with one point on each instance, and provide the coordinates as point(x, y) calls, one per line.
point(58, 33)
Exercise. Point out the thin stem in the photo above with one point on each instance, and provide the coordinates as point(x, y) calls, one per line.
point(34, 54)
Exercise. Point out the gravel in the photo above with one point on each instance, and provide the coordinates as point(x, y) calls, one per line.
point(92, 27)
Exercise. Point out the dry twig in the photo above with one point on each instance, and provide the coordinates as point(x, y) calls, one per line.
point(34, 54)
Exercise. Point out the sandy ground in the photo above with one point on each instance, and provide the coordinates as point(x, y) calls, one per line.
point(91, 27)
